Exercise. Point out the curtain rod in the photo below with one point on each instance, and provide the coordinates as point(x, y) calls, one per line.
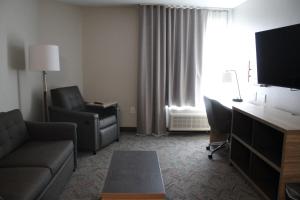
point(187, 7)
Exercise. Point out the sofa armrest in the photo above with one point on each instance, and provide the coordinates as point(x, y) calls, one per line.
point(51, 130)
point(47, 131)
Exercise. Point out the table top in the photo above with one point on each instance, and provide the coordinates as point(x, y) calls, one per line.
point(278, 119)
point(135, 172)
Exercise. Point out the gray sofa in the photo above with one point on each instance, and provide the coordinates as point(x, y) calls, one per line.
point(36, 159)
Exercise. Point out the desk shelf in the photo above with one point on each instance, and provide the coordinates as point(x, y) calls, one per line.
point(265, 148)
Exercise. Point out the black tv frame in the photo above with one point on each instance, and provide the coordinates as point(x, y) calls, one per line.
point(272, 34)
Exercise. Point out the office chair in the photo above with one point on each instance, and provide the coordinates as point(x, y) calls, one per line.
point(219, 119)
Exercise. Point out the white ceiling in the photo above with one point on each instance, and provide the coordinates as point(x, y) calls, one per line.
point(192, 3)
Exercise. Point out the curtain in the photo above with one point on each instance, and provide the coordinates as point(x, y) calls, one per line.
point(216, 44)
point(152, 79)
point(170, 63)
point(184, 58)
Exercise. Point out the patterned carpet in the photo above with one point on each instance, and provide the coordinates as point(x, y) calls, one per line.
point(187, 172)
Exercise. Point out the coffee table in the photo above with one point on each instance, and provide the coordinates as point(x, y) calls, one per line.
point(134, 175)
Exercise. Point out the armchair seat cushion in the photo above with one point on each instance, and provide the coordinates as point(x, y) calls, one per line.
point(50, 155)
point(107, 121)
point(23, 182)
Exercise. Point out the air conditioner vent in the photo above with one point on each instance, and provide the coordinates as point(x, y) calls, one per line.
point(188, 121)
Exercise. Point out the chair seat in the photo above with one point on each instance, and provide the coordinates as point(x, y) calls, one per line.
point(293, 191)
point(39, 154)
point(23, 183)
point(107, 121)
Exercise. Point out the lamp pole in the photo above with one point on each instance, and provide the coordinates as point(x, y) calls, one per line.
point(238, 86)
point(45, 89)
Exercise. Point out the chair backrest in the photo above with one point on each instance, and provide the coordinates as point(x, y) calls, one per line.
point(13, 131)
point(219, 117)
point(67, 97)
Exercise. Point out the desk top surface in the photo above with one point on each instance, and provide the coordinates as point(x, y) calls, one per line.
point(281, 120)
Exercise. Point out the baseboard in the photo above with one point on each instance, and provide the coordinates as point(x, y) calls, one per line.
point(128, 129)
point(187, 132)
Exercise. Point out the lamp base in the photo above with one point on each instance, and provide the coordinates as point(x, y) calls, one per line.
point(237, 100)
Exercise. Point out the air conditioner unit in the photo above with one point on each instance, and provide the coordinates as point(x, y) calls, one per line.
point(187, 120)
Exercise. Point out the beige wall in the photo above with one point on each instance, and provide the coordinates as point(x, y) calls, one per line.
point(19, 87)
point(108, 35)
point(23, 23)
point(60, 24)
point(110, 57)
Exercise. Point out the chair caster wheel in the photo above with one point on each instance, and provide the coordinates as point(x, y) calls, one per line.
point(94, 152)
point(208, 148)
point(209, 157)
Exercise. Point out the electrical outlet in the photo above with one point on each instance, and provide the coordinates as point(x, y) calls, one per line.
point(132, 110)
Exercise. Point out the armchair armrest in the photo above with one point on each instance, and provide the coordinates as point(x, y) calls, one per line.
point(102, 104)
point(103, 110)
point(79, 115)
point(47, 131)
point(87, 125)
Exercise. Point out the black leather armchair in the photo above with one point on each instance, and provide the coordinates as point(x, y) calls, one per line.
point(96, 126)
point(219, 119)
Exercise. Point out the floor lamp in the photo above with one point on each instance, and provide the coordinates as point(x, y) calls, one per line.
point(227, 77)
point(44, 58)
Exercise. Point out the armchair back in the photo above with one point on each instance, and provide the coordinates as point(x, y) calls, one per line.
point(67, 97)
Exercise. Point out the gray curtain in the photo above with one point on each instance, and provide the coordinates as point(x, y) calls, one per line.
point(170, 62)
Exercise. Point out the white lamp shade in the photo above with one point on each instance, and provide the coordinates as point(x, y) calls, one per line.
point(44, 58)
point(227, 77)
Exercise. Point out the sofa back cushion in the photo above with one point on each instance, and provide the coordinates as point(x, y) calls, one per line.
point(13, 131)
point(67, 97)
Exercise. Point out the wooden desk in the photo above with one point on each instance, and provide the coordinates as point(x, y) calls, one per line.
point(134, 175)
point(265, 148)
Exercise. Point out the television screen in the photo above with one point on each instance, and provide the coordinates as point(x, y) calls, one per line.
point(278, 56)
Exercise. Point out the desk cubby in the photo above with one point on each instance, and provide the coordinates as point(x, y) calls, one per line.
point(242, 127)
point(267, 141)
point(241, 155)
point(265, 148)
point(264, 176)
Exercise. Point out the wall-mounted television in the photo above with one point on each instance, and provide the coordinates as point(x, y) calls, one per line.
point(278, 56)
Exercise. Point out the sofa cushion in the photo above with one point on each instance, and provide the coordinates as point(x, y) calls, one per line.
point(13, 131)
point(24, 183)
point(39, 154)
